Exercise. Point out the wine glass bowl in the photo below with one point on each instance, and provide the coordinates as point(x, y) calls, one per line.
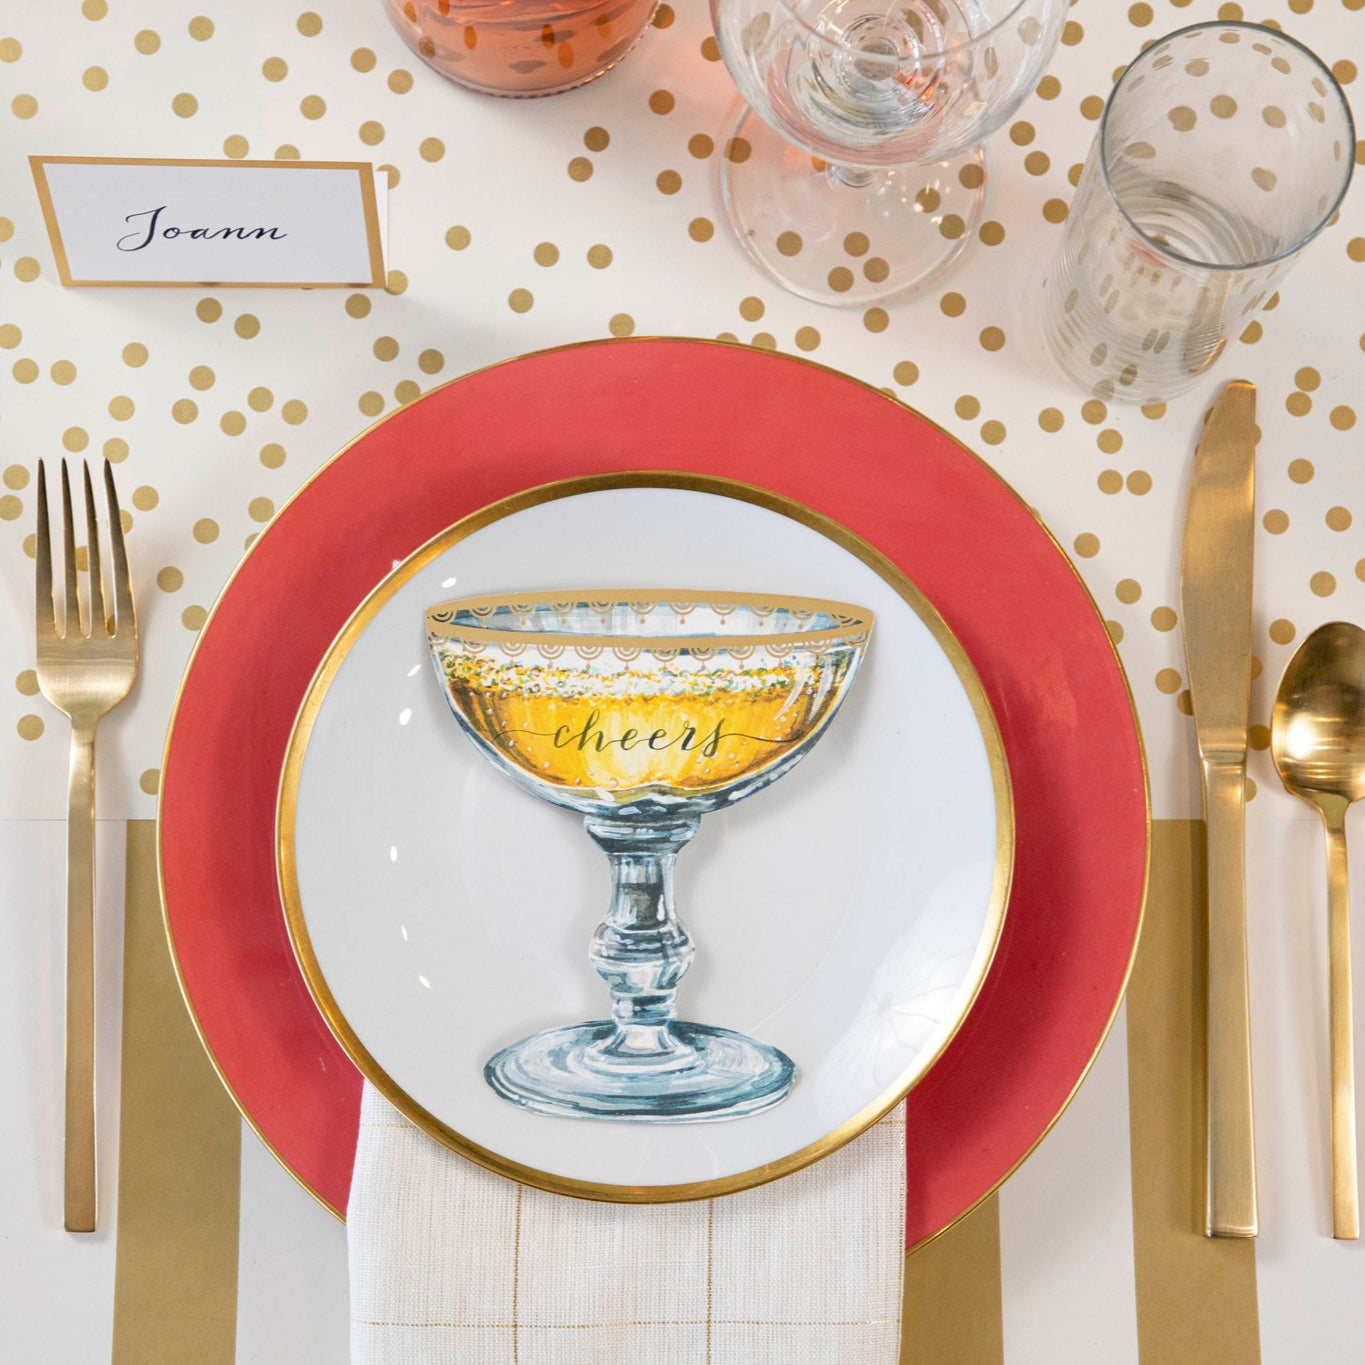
point(644, 710)
point(859, 175)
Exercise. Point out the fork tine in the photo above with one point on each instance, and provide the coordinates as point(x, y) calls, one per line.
point(46, 611)
point(126, 617)
point(99, 622)
point(70, 592)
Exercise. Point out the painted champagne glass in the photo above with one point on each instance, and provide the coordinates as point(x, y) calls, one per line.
point(643, 711)
point(857, 174)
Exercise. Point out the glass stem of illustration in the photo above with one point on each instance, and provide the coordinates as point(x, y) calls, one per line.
point(641, 949)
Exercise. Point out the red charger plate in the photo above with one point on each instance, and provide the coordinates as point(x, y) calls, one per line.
point(998, 578)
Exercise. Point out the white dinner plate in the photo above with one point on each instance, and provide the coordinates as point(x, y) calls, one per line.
point(846, 915)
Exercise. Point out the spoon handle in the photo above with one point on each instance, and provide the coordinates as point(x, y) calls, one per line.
point(1345, 1198)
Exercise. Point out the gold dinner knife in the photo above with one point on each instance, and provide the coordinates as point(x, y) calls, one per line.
point(1215, 601)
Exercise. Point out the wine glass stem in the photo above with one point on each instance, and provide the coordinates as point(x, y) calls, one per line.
point(641, 949)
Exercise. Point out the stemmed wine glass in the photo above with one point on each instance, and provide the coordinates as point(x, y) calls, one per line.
point(856, 174)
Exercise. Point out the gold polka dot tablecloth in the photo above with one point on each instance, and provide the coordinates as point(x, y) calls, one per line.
point(520, 224)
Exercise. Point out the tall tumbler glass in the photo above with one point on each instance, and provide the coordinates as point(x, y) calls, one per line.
point(1224, 149)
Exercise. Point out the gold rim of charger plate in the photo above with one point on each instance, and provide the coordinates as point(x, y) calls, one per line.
point(816, 366)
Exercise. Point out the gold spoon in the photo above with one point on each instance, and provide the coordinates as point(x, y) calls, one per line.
point(1317, 738)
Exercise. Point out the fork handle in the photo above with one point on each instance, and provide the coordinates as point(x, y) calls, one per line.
point(80, 982)
point(1345, 1199)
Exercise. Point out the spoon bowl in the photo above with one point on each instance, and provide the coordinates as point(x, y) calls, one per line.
point(1317, 739)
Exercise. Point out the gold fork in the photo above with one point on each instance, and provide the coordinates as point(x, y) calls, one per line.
point(84, 669)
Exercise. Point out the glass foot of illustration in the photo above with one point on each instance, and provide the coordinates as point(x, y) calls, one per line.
point(699, 1073)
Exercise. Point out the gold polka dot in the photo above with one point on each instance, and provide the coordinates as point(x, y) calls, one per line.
point(1153, 411)
point(1094, 411)
point(23, 106)
point(580, 169)
point(1223, 106)
point(1110, 481)
point(431, 149)
point(94, 9)
point(1345, 71)
point(1049, 88)
point(385, 348)
point(312, 106)
point(75, 439)
point(121, 407)
point(1301, 471)
point(1055, 210)
point(147, 42)
point(27, 683)
point(27, 269)
point(260, 399)
point(764, 341)
point(1140, 15)
point(372, 132)
point(1167, 681)
point(193, 618)
point(1140, 483)
point(663, 16)
point(232, 422)
point(10, 508)
point(201, 378)
point(951, 226)
point(247, 325)
point(953, 305)
point(10, 336)
point(1182, 118)
point(840, 279)
point(272, 455)
point(184, 410)
point(294, 412)
point(662, 102)
point(807, 338)
point(597, 139)
point(876, 269)
point(991, 232)
point(184, 105)
point(1266, 179)
point(274, 68)
point(1323, 584)
point(789, 243)
point(94, 78)
point(1298, 404)
point(1307, 378)
point(1109, 441)
point(362, 59)
point(260, 509)
point(546, 254)
point(24, 370)
point(1164, 618)
point(400, 80)
point(29, 727)
point(115, 450)
point(1342, 418)
point(700, 146)
point(738, 150)
point(1086, 545)
point(1051, 419)
point(150, 781)
point(1092, 106)
point(967, 407)
point(1338, 519)
point(1282, 631)
point(1073, 173)
point(145, 497)
point(16, 476)
point(1128, 590)
point(668, 182)
point(992, 432)
point(751, 309)
point(876, 319)
point(207, 310)
point(599, 256)
point(1072, 33)
point(309, 24)
point(1115, 630)
point(520, 300)
point(1274, 116)
point(63, 372)
point(905, 373)
point(1276, 521)
point(621, 325)
point(205, 530)
point(710, 49)
point(457, 239)
point(1252, 334)
point(1230, 13)
point(992, 338)
point(11, 49)
point(371, 403)
point(701, 229)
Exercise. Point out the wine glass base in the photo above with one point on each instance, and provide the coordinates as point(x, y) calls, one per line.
point(846, 237)
point(715, 1074)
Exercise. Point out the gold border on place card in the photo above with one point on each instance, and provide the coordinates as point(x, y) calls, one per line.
point(368, 198)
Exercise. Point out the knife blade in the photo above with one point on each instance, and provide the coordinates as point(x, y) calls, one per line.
point(1215, 601)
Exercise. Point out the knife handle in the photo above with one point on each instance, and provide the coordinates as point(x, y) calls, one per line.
point(1230, 1207)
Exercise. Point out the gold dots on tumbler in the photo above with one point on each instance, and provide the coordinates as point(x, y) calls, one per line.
point(580, 169)
point(876, 319)
point(431, 361)
point(431, 149)
point(1223, 106)
point(951, 226)
point(312, 106)
point(599, 256)
point(75, 439)
point(1276, 521)
point(1197, 67)
point(184, 410)
point(1323, 584)
point(94, 78)
point(1338, 519)
point(596, 139)
point(1264, 178)
point(840, 279)
point(457, 239)
point(1298, 404)
point(27, 269)
point(993, 233)
point(294, 412)
point(145, 497)
point(857, 244)
point(205, 530)
point(147, 42)
point(1281, 631)
point(201, 378)
point(1092, 106)
point(29, 727)
point(876, 269)
point(260, 509)
point(1182, 118)
point(1051, 419)
point(232, 422)
point(184, 105)
point(662, 102)
point(1164, 618)
point(309, 24)
point(789, 243)
point(272, 455)
point(1087, 545)
point(1274, 116)
point(370, 403)
point(371, 132)
point(1342, 418)
point(807, 338)
point(621, 325)
point(63, 372)
point(1168, 681)
point(668, 182)
point(362, 60)
point(701, 229)
point(520, 300)
point(1055, 210)
point(396, 282)
point(545, 254)
point(400, 80)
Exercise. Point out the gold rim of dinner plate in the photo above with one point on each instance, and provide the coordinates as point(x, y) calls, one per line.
point(315, 698)
point(725, 345)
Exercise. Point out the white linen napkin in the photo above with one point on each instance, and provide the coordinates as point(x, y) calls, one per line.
point(450, 1263)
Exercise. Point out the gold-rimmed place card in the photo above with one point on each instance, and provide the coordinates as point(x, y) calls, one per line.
point(270, 224)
